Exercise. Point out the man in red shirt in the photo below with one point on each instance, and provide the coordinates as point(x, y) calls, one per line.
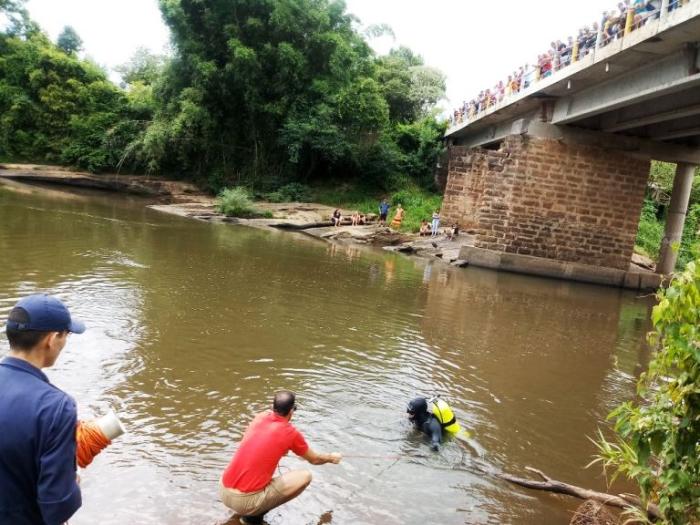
point(247, 485)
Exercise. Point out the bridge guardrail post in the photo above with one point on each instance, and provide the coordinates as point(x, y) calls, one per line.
point(629, 21)
point(664, 8)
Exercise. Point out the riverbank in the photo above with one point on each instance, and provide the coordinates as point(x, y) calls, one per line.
point(314, 220)
point(186, 200)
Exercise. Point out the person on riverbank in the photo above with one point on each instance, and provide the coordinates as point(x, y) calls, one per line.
point(435, 225)
point(453, 232)
point(433, 417)
point(247, 486)
point(383, 212)
point(336, 218)
point(398, 218)
point(38, 479)
point(424, 230)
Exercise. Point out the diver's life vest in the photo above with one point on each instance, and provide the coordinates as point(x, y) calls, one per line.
point(442, 411)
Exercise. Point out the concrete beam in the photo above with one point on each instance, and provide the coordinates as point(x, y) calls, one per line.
point(652, 118)
point(677, 134)
point(495, 133)
point(677, 72)
point(636, 147)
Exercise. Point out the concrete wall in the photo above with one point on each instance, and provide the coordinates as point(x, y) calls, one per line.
point(543, 198)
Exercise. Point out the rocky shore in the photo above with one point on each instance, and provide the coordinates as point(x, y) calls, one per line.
point(314, 220)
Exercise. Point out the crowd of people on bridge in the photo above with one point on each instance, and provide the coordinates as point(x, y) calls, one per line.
point(629, 15)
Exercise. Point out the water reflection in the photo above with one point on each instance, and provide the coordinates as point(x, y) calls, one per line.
point(195, 325)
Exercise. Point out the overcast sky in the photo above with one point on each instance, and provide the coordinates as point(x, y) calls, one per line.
point(475, 43)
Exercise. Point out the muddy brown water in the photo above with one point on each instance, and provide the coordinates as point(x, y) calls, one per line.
point(194, 325)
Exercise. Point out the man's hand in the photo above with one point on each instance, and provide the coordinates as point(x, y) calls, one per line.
point(335, 457)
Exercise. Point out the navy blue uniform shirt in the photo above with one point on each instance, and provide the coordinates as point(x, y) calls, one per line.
point(37, 448)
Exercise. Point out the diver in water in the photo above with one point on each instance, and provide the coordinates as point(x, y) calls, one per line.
point(433, 417)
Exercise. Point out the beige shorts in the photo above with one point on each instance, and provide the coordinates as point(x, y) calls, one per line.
point(254, 503)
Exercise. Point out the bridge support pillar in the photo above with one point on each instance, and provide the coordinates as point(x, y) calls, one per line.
point(545, 198)
point(682, 185)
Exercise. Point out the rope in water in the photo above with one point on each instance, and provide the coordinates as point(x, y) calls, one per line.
point(90, 442)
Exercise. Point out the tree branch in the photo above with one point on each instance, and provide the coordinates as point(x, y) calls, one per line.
point(622, 501)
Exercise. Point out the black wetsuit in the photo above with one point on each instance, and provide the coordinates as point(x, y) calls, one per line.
point(425, 421)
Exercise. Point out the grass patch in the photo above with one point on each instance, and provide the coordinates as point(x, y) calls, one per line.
point(237, 202)
point(650, 232)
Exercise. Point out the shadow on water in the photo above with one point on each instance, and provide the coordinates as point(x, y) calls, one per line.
point(194, 325)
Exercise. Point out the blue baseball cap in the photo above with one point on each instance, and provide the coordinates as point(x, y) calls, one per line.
point(43, 313)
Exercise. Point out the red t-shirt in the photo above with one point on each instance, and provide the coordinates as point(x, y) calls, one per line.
point(267, 439)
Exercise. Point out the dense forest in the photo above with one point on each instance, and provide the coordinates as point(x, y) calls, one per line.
point(255, 92)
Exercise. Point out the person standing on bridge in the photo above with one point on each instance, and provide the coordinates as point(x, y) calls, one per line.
point(247, 486)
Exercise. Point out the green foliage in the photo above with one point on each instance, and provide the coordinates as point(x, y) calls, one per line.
point(419, 204)
point(255, 94)
point(235, 202)
point(144, 68)
point(57, 108)
point(661, 180)
point(658, 442)
point(285, 90)
point(292, 192)
point(650, 232)
point(690, 242)
point(69, 41)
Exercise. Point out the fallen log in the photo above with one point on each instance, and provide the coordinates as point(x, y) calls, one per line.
point(622, 501)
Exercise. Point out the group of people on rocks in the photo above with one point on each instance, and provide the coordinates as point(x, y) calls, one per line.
point(427, 228)
point(432, 228)
point(360, 219)
point(561, 53)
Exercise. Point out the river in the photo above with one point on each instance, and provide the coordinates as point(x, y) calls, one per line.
point(192, 327)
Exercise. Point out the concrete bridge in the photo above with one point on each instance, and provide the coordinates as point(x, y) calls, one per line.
point(552, 179)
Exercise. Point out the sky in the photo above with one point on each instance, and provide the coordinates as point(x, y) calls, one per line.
point(475, 43)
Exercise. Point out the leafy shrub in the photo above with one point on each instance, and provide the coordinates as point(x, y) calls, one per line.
point(658, 435)
point(235, 202)
point(419, 205)
point(293, 192)
point(650, 232)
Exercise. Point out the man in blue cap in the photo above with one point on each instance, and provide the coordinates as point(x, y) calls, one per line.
point(38, 481)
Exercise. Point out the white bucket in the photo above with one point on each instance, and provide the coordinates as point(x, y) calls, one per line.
point(110, 425)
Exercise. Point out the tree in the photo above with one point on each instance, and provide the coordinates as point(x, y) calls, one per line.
point(17, 18)
point(411, 88)
point(57, 108)
point(69, 41)
point(144, 67)
point(658, 443)
point(282, 89)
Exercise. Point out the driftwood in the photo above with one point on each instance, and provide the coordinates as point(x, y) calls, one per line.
point(622, 501)
point(592, 513)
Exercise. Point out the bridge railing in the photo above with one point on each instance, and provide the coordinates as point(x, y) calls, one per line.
point(548, 63)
